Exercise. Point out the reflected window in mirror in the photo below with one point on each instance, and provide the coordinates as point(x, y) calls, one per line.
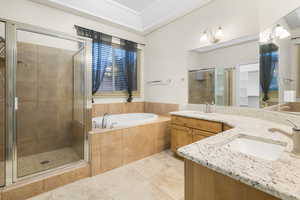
point(269, 74)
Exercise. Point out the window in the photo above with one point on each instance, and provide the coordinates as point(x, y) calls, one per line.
point(114, 80)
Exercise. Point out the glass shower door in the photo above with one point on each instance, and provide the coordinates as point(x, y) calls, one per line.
point(45, 123)
point(220, 86)
point(2, 102)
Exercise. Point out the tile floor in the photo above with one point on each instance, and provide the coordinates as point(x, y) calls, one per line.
point(32, 164)
point(158, 177)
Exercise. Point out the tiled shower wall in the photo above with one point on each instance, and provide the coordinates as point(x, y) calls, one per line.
point(45, 92)
point(2, 110)
point(2, 121)
point(134, 107)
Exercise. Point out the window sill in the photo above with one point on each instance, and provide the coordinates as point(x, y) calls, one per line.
point(116, 95)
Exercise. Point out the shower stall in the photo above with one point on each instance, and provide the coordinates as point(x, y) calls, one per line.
point(44, 101)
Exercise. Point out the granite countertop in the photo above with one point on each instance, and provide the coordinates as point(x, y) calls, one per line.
point(280, 178)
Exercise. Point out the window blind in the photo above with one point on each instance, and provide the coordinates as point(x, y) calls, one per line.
point(115, 77)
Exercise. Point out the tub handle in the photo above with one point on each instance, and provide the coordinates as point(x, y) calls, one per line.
point(113, 124)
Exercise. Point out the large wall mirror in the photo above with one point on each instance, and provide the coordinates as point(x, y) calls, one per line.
point(227, 76)
point(255, 71)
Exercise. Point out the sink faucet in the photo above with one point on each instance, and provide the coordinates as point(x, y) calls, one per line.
point(104, 120)
point(208, 107)
point(295, 136)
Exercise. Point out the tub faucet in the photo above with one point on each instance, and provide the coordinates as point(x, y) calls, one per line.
point(104, 120)
point(295, 136)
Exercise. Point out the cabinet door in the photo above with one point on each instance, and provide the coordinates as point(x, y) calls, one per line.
point(181, 136)
point(226, 127)
point(197, 137)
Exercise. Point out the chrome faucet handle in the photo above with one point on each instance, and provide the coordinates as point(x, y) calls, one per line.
point(113, 124)
point(104, 120)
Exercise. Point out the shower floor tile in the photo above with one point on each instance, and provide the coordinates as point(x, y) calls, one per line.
point(32, 164)
point(158, 177)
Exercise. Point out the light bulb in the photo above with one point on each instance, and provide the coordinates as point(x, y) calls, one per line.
point(265, 37)
point(278, 30)
point(284, 34)
point(219, 33)
point(204, 37)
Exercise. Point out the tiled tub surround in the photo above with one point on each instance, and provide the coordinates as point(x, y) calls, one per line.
point(134, 107)
point(280, 178)
point(112, 148)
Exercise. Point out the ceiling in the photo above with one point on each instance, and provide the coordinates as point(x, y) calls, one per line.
point(137, 5)
point(142, 16)
point(293, 19)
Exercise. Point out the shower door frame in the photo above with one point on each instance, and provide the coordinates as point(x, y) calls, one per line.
point(11, 28)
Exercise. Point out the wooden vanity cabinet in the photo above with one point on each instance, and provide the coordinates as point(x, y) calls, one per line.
point(181, 136)
point(186, 131)
point(199, 135)
point(202, 183)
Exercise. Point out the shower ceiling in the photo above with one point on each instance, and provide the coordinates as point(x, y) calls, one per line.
point(142, 16)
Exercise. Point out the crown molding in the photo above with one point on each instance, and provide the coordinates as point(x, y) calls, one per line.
point(113, 13)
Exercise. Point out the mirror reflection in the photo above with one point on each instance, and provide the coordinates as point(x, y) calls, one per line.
point(227, 76)
point(262, 72)
point(280, 52)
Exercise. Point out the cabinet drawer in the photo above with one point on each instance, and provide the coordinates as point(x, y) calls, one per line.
point(214, 127)
point(203, 133)
point(181, 121)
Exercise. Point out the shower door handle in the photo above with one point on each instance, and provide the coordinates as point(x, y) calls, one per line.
point(16, 103)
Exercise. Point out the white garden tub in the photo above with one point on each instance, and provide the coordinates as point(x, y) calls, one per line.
point(124, 120)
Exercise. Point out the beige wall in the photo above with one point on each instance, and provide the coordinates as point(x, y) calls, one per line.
point(167, 51)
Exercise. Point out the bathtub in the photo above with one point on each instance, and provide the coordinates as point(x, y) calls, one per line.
point(124, 120)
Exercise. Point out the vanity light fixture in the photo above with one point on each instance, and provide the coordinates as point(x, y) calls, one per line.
point(274, 33)
point(281, 32)
point(208, 35)
point(204, 37)
point(219, 33)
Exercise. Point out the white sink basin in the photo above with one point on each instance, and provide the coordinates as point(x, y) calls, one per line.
point(258, 147)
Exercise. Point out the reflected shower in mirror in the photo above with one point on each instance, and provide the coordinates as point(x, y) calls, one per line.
point(226, 76)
